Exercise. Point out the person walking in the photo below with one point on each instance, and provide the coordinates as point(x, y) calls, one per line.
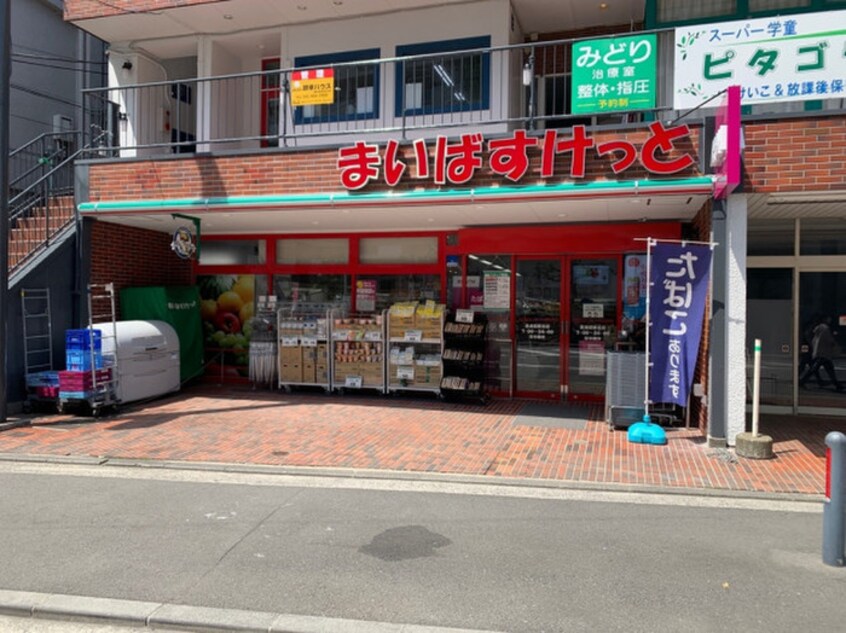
point(823, 348)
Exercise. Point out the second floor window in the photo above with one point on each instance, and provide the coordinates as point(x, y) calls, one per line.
point(356, 88)
point(456, 80)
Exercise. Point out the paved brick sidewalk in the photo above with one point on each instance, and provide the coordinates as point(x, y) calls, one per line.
point(240, 425)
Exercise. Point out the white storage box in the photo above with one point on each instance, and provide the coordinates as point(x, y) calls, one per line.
point(147, 357)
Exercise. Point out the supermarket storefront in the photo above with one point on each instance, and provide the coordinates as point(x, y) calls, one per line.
point(544, 235)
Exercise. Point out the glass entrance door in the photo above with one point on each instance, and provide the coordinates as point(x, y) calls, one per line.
point(822, 340)
point(769, 317)
point(553, 361)
point(593, 324)
point(537, 326)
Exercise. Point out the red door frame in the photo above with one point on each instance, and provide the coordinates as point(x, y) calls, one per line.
point(564, 242)
point(618, 315)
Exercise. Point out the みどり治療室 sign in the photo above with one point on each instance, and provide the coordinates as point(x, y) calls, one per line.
point(613, 75)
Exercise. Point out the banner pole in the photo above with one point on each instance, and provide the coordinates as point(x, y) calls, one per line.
point(648, 326)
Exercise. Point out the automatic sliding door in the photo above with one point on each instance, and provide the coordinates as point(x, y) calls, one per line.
point(593, 323)
point(822, 319)
point(538, 327)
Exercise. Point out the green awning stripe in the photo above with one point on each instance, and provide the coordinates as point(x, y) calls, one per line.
point(346, 198)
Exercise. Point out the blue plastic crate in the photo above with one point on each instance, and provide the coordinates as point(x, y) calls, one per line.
point(76, 395)
point(43, 379)
point(81, 339)
point(80, 360)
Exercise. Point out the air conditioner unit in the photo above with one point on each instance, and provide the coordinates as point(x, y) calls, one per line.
point(62, 123)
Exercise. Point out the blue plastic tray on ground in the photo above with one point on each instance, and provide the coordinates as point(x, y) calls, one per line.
point(42, 379)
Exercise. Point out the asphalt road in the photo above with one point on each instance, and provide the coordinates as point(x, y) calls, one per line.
point(519, 559)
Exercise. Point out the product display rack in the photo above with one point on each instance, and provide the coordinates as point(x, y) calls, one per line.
point(358, 351)
point(96, 374)
point(415, 347)
point(464, 356)
point(304, 358)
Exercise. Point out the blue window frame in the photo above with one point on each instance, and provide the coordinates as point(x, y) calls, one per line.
point(453, 82)
point(356, 88)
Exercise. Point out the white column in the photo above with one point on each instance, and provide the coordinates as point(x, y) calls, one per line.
point(204, 93)
point(736, 315)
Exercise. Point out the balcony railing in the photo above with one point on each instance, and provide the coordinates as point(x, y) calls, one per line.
point(493, 89)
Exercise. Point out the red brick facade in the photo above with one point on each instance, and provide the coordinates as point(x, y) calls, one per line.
point(787, 155)
point(130, 257)
point(316, 171)
point(806, 154)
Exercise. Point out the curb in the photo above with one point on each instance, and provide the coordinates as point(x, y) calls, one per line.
point(401, 475)
point(190, 618)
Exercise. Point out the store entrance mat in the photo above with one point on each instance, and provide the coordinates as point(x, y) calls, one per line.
point(553, 416)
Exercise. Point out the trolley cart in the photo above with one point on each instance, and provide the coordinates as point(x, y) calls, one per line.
point(91, 378)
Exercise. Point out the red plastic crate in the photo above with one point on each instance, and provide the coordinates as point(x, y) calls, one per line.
point(47, 391)
point(81, 380)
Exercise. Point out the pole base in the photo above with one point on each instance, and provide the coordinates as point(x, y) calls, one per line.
point(754, 446)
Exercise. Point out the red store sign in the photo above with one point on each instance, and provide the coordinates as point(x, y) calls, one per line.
point(456, 163)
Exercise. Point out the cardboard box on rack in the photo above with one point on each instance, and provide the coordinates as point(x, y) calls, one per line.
point(290, 373)
point(309, 372)
point(427, 376)
point(291, 355)
point(321, 373)
point(309, 355)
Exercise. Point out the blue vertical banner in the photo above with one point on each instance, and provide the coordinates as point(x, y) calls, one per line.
point(678, 290)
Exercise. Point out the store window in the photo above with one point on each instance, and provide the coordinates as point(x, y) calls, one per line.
point(682, 10)
point(455, 285)
point(392, 289)
point(356, 88)
point(498, 346)
point(312, 294)
point(761, 6)
point(769, 317)
point(770, 237)
point(313, 251)
point(232, 252)
point(455, 81)
point(270, 102)
point(822, 236)
point(398, 250)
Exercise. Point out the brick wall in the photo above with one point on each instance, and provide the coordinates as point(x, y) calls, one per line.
point(130, 257)
point(316, 171)
point(795, 155)
point(85, 9)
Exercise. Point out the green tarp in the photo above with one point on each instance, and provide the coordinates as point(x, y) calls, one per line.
point(180, 307)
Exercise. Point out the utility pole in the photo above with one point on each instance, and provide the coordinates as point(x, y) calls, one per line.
point(5, 76)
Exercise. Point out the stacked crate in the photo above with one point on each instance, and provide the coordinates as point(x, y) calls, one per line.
point(78, 344)
point(43, 384)
point(78, 381)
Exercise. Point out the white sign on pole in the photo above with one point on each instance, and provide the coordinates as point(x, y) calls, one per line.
point(773, 59)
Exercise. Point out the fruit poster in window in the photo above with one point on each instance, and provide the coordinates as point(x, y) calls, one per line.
point(227, 306)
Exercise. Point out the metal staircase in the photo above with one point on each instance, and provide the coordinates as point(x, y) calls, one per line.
point(41, 200)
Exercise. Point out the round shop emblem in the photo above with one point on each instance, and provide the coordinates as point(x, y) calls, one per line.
point(183, 243)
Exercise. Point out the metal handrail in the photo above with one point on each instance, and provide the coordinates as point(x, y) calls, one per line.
point(38, 194)
point(134, 113)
